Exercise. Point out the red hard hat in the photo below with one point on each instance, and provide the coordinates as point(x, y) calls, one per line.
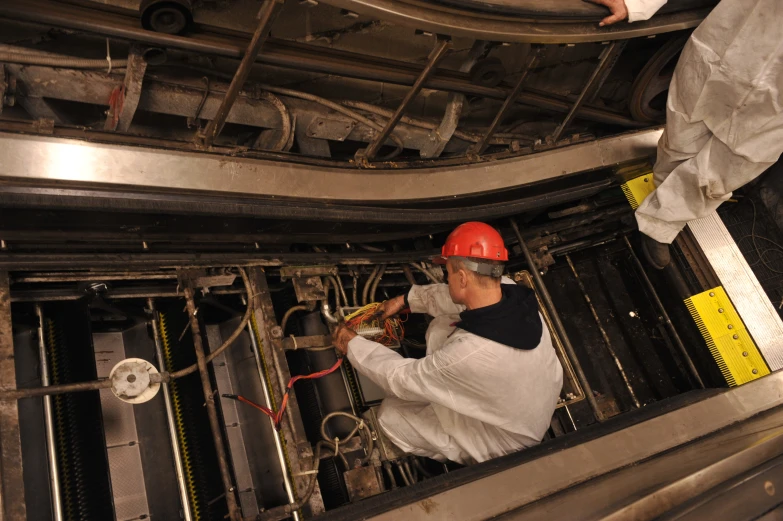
point(475, 239)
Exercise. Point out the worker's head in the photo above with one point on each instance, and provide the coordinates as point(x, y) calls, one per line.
point(474, 255)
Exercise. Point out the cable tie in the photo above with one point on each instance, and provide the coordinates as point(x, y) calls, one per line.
point(293, 338)
point(336, 445)
point(108, 56)
point(305, 473)
point(361, 425)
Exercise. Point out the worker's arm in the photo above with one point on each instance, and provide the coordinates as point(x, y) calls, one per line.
point(632, 10)
point(433, 299)
point(429, 379)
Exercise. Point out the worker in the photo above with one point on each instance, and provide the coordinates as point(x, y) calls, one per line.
point(490, 380)
point(724, 114)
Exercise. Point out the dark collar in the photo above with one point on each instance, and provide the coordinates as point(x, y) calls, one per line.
point(514, 321)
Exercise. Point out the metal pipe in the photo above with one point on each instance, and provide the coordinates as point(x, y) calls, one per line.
point(289, 490)
point(265, 16)
point(178, 465)
point(51, 442)
point(664, 315)
point(604, 335)
point(559, 328)
point(374, 287)
point(437, 53)
point(16, 394)
point(209, 397)
point(479, 147)
point(325, 309)
point(585, 91)
point(366, 289)
point(338, 285)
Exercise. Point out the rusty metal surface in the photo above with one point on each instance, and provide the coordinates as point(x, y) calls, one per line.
point(12, 504)
point(209, 398)
point(362, 483)
point(309, 288)
point(299, 452)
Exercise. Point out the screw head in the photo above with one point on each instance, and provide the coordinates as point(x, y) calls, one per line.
point(735, 336)
point(744, 353)
point(712, 293)
point(720, 310)
point(730, 326)
point(769, 488)
point(755, 371)
point(277, 332)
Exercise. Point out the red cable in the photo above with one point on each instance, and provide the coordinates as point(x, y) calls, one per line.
point(277, 417)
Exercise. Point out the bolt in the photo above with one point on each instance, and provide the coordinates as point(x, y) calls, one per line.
point(712, 293)
point(720, 310)
point(646, 180)
point(769, 488)
point(755, 371)
point(276, 332)
point(744, 353)
point(730, 326)
point(735, 336)
point(131, 378)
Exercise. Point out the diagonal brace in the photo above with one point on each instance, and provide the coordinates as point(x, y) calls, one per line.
point(266, 17)
point(442, 45)
point(533, 58)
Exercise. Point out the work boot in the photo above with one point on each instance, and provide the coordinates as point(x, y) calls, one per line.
point(657, 253)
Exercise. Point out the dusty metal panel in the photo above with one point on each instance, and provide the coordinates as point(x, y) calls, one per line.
point(737, 278)
point(45, 159)
point(122, 441)
point(11, 479)
point(551, 473)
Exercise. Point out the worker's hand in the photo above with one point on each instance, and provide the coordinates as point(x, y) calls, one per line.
point(391, 307)
point(341, 336)
point(618, 9)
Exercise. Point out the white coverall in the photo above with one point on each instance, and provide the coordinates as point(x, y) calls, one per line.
point(724, 114)
point(469, 399)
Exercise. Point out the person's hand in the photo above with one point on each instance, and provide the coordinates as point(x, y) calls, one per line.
point(618, 9)
point(391, 307)
point(341, 336)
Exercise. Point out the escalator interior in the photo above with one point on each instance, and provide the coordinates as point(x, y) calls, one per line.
point(159, 459)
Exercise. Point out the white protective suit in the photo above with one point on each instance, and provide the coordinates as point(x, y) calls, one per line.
point(469, 399)
point(724, 114)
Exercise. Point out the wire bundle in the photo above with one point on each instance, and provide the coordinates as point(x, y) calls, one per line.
point(366, 321)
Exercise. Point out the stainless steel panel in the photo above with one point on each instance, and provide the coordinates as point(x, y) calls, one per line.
point(78, 163)
point(513, 488)
point(737, 278)
point(122, 442)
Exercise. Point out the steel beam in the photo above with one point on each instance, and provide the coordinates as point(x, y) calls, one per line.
point(266, 17)
point(299, 452)
point(12, 503)
point(69, 162)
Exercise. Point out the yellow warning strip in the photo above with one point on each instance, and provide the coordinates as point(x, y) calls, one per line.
point(636, 190)
point(729, 342)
